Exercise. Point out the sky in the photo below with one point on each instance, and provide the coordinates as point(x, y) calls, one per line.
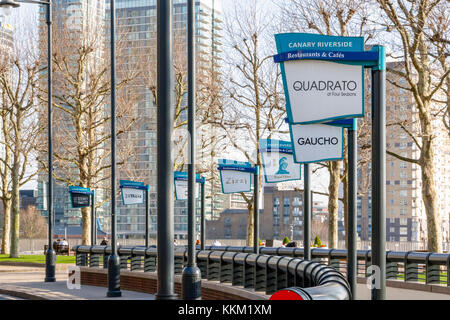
point(29, 13)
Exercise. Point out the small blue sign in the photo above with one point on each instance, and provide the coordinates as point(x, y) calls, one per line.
point(225, 164)
point(80, 196)
point(133, 185)
point(278, 161)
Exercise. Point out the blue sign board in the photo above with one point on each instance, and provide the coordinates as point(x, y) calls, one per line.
point(133, 192)
point(235, 176)
point(80, 197)
point(323, 76)
point(278, 161)
point(181, 186)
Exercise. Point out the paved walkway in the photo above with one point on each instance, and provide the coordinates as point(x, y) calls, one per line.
point(363, 293)
point(28, 283)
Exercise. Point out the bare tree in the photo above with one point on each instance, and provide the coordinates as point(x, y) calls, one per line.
point(82, 118)
point(335, 17)
point(32, 224)
point(19, 80)
point(254, 108)
point(424, 57)
point(5, 174)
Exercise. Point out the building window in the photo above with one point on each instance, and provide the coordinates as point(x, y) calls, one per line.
point(286, 204)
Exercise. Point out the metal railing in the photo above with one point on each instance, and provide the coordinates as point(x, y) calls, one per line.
point(411, 266)
point(238, 266)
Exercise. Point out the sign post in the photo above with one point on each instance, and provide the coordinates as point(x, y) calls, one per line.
point(236, 176)
point(81, 198)
point(256, 210)
point(93, 219)
point(278, 161)
point(202, 218)
point(327, 73)
point(136, 193)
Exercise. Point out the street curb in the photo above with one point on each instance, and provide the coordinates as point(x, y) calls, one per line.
point(59, 266)
point(21, 294)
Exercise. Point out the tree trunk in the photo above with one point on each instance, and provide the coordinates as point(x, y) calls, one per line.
point(333, 203)
point(429, 197)
point(250, 225)
point(6, 242)
point(15, 208)
point(86, 226)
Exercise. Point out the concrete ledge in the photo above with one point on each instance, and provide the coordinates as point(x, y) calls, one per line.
point(21, 292)
point(147, 282)
point(59, 266)
point(435, 288)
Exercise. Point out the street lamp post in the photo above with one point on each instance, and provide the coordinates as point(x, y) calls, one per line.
point(191, 276)
point(165, 116)
point(50, 256)
point(113, 259)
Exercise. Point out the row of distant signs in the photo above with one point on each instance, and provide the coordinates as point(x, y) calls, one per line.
point(322, 98)
point(320, 93)
point(134, 192)
point(278, 165)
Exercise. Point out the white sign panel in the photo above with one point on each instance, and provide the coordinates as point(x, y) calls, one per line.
point(181, 190)
point(323, 90)
point(317, 142)
point(132, 196)
point(280, 167)
point(235, 181)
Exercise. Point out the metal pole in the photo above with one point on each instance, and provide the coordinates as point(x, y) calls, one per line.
point(165, 116)
point(94, 220)
point(379, 176)
point(191, 275)
point(352, 214)
point(256, 210)
point(307, 213)
point(147, 216)
point(202, 224)
point(50, 257)
point(113, 259)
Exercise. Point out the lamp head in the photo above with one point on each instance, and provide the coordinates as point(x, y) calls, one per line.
point(8, 5)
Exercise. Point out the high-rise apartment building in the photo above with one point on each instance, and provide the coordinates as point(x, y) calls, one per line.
point(137, 30)
point(6, 49)
point(405, 212)
point(75, 22)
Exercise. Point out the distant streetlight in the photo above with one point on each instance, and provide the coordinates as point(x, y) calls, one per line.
point(50, 258)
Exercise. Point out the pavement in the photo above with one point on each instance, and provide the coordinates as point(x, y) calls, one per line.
point(28, 283)
point(363, 293)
